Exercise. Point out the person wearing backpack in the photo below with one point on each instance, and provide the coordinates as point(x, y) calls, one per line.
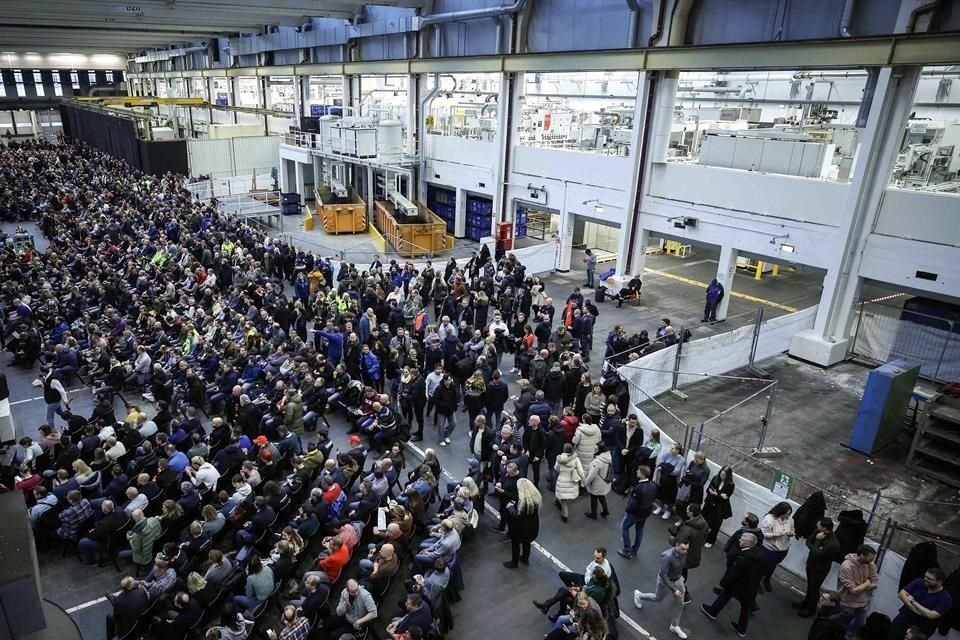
point(640, 499)
point(599, 480)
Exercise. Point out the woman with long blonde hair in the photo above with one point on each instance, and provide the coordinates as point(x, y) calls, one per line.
point(524, 522)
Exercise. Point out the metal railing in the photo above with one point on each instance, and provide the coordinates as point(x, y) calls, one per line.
point(885, 332)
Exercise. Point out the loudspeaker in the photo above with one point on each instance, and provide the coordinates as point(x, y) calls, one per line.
point(21, 608)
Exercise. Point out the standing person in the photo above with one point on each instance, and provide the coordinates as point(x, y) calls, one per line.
point(534, 442)
point(585, 441)
point(741, 581)
point(692, 482)
point(569, 476)
point(445, 404)
point(925, 602)
point(823, 548)
point(693, 531)
point(669, 582)
point(54, 395)
point(713, 296)
point(857, 580)
point(630, 454)
point(668, 471)
point(716, 505)
point(598, 482)
point(524, 522)
point(640, 498)
point(413, 398)
point(591, 263)
point(777, 528)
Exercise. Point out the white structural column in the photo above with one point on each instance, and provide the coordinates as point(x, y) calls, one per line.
point(501, 209)
point(299, 185)
point(826, 343)
point(665, 88)
point(565, 233)
point(726, 269)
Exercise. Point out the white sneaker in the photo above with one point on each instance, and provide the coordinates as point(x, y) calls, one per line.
point(707, 545)
point(657, 511)
point(678, 523)
point(637, 600)
point(665, 516)
point(677, 631)
point(447, 440)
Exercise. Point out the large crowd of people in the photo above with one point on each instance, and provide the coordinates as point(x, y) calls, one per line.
point(219, 485)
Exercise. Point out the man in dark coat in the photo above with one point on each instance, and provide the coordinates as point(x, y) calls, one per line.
point(128, 605)
point(741, 581)
point(824, 547)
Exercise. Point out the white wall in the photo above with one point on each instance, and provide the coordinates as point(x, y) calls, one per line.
point(778, 196)
point(896, 261)
point(461, 163)
point(918, 215)
point(233, 156)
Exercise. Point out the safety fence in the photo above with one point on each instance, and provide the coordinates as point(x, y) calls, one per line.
point(885, 331)
point(220, 186)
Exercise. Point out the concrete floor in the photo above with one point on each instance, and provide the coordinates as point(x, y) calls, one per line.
point(569, 545)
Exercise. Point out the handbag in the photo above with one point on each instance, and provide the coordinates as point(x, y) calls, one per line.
point(683, 493)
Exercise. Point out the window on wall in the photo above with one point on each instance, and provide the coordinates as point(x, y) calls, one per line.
point(383, 97)
point(75, 80)
point(3, 90)
point(466, 106)
point(18, 80)
point(928, 158)
point(57, 87)
point(38, 83)
point(92, 77)
point(800, 123)
point(589, 111)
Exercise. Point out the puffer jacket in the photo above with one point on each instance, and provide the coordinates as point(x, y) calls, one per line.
point(145, 534)
point(293, 414)
point(569, 475)
point(585, 442)
point(694, 532)
point(595, 484)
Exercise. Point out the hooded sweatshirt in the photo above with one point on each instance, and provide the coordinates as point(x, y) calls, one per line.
point(852, 573)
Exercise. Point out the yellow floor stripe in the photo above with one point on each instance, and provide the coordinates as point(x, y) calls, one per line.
point(735, 294)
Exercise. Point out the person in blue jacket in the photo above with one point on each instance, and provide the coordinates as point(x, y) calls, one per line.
point(370, 367)
point(334, 342)
point(302, 287)
point(714, 296)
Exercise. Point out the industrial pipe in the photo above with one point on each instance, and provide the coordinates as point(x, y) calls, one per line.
point(634, 26)
point(678, 23)
point(498, 48)
point(846, 17)
point(919, 11)
point(658, 31)
point(472, 14)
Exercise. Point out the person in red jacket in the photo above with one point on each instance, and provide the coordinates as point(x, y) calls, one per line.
point(331, 562)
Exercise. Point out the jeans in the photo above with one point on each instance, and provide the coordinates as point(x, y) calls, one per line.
point(602, 500)
point(242, 603)
point(590, 280)
point(722, 601)
point(445, 426)
point(857, 620)
point(637, 523)
point(54, 409)
point(88, 550)
point(663, 591)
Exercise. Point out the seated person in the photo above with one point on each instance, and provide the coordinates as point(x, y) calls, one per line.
point(629, 292)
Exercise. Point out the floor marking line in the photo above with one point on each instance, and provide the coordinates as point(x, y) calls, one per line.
point(69, 391)
point(735, 294)
point(495, 513)
point(92, 603)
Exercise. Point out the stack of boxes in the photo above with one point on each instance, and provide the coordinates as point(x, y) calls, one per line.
point(479, 217)
point(290, 204)
point(520, 228)
point(443, 202)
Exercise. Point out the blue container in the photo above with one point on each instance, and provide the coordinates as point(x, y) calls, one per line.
point(520, 231)
point(317, 110)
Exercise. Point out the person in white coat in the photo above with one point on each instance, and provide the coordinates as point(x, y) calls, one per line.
point(585, 441)
point(599, 481)
point(569, 476)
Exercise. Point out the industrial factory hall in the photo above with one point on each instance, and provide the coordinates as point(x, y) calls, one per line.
point(472, 319)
